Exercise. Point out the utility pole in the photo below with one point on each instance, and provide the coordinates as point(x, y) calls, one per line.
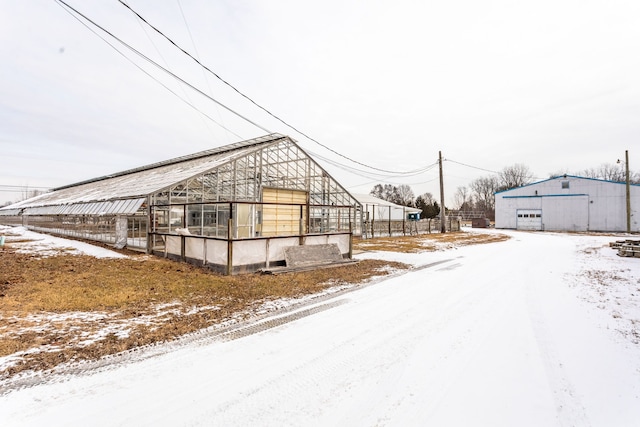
point(626, 165)
point(443, 226)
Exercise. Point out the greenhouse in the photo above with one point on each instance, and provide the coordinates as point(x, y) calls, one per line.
point(233, 208)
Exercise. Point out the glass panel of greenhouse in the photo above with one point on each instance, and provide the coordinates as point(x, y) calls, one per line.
point(274, 190)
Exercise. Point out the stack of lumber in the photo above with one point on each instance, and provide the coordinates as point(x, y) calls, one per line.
point(627, 248)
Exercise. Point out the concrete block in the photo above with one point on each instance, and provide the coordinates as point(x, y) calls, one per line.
point(296, 256)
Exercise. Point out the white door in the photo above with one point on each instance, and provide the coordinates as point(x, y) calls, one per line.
point(529, 219)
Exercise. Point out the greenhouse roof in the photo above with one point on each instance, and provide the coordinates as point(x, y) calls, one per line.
point(368, 199)
point(135, 183)
point(123, 206)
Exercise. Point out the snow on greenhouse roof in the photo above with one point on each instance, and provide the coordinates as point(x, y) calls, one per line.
point(368, 199)
point(139, 182)
point(122, 206)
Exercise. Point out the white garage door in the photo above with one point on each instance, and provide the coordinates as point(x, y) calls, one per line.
point(529, 219)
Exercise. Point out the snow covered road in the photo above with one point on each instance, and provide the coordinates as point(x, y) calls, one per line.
point(493, 335)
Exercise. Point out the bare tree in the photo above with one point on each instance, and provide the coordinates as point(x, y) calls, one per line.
point(606, 171)
point(385, 192)
point(428, 198)
point(618, 173)
point(405, 195)
point(483, 190)
point(612, 172)
point(402, 195)
point(462, 199)
point(377, 191)
point(28, 193)
point(515, 176)
point(588, 173)
point(390, 193)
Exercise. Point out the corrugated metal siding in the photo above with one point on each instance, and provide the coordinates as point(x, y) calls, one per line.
point(10, 212)
point(110, 207)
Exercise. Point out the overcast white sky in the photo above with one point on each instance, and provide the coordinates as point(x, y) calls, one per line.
point(550, 84)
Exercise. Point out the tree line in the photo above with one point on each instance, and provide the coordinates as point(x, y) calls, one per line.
point(403, 195)
point(479, 194)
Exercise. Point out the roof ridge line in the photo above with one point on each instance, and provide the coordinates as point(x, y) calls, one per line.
point(229, 147)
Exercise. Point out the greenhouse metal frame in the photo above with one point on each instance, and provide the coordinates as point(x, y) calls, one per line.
point(233, 209)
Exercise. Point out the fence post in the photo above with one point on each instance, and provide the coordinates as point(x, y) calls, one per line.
point(350, 236)
point(300, 229)
point(372, 221)
point(150, 226)
point(404, 225)
point(230, 241)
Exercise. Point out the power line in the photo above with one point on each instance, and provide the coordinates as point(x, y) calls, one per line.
point(166, 63)
point(368, 174)
point(395, 173)
point(162, 68)
point(143, 70)
point(396, 183)
point(251, 100)
point(482, 169)
point(470, 166)
point(193, 43)
point(195, 48)
point(377, 178)
point(21, 188)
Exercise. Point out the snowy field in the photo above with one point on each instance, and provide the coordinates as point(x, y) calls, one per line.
point(25, 241)
point(539, 330)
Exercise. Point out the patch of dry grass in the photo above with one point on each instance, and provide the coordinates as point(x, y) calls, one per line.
point(426, 242)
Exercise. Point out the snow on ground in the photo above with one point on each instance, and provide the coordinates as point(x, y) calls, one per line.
point(26, 241)
point(534, 331)
point(80, 328)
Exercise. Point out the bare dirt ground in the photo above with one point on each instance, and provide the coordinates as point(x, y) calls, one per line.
point(65, 308)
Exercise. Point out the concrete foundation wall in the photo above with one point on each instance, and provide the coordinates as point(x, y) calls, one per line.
point(216, 252)
point(195, 248)
point(249, 252)
point(341, 240)
point(276, 248)
point(248, 255)
point(173, 245)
